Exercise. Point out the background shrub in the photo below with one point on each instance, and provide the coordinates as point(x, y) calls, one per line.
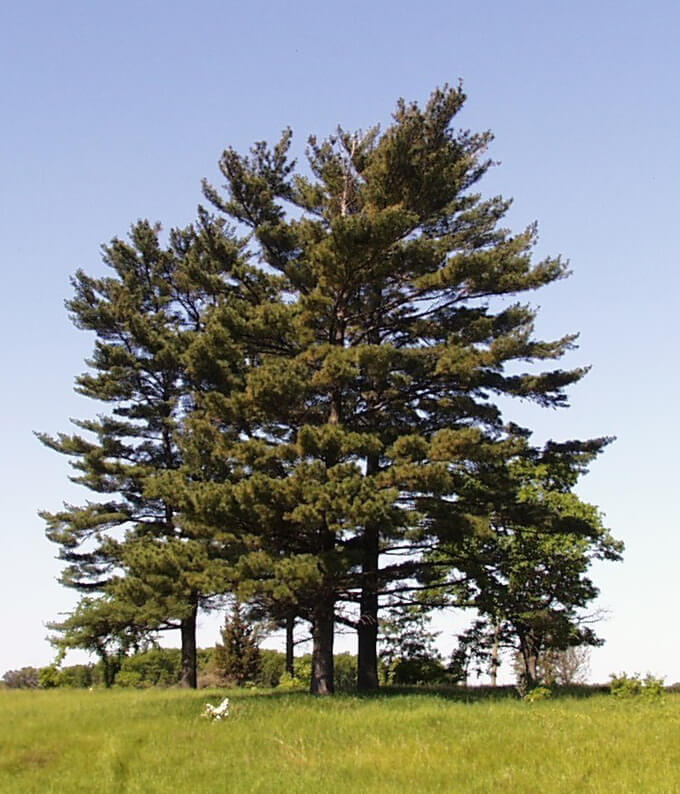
point(272, 667)
point(626, 686)
point(416, 670)
point(25, 678)
point(156, 667)
point(538, 693)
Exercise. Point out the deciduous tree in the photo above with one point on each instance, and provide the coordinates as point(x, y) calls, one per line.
point(527, 572)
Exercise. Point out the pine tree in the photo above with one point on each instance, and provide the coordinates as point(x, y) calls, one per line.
point(237, 658)
point(129, 545)
point(377, 404)
point(101, 626)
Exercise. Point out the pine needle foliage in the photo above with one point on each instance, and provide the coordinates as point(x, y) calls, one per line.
point(237, 658)
point(310, 415)
point(376, 394)
point(128, 544)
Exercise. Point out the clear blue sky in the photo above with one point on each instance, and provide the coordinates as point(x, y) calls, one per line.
point(113, 112)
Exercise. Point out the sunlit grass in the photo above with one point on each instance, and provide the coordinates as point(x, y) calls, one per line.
point(155, 741)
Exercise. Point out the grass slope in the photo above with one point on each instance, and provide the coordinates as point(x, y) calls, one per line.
point(152, 742)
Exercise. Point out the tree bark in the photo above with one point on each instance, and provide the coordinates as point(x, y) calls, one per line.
point(323, 614)
point(529, 655)
point(110, 667)
point(189, 677)
point(532, 670)
point(494, 655)
point(367, 629)
point(323, 624)
point(290, 645)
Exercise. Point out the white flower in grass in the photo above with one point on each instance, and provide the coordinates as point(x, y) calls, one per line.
point(215, 713)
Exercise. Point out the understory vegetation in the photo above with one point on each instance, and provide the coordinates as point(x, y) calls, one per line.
point(162, 667)
point(438, 741)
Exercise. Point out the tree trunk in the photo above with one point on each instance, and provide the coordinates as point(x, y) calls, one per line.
point(532, 668)
point(323, 614)
point(290, 645)
point(494, 655)
point(367, 629)
point(110, 667)
point(529, 656)
point(323, 623)
point(189, 677)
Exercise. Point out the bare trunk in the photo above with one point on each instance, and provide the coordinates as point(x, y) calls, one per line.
point(531, 670)
point(494, 655)
point(290, 645)
point(323, 614)
point(323, 623)
point(529, 655)
point(189, 677)
point(367, 629)
point(110, 667)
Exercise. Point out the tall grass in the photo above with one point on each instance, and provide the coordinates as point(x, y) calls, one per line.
point(151, 741)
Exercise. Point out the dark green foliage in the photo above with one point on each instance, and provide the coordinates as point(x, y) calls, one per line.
point(101, 626)
point(345, 667)
point(237, 657)
point(155, 667)
point(417, 670)
point(527, 573)
point(77, 676)
point(272, 667)
point(161, 667)
point(376, 380)
point(128, 545)
point(312, 421)
point(48, 677)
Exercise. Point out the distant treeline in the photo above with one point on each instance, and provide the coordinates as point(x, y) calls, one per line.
point(162, 667)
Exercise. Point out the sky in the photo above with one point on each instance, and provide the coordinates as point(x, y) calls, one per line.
point(114, 112)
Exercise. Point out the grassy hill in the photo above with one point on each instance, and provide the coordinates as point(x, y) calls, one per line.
point(155, 741)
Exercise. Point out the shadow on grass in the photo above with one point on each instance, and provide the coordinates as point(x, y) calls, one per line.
point(476, 694)
point(462, 694)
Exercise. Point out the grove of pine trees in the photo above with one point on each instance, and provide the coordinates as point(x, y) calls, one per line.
point(305, 392)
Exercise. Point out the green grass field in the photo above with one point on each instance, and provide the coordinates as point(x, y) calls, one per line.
point(150, 741)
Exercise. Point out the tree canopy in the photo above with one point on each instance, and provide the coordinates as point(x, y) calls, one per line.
point(307, 392)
